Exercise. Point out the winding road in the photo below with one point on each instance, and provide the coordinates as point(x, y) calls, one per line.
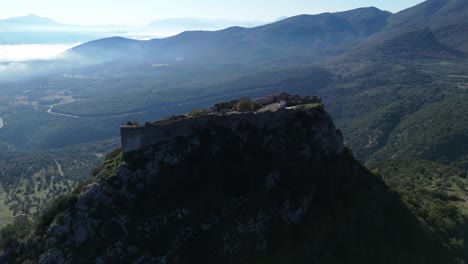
point(50, 111)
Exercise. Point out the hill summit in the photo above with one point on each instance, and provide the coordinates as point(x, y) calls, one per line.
point(246, 181)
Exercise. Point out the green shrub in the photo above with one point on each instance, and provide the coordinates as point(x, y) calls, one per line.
point(132, 123)
point(14, 232)
point(56, 209)
point(110, 165)
point(198, 112)
point(246, 105)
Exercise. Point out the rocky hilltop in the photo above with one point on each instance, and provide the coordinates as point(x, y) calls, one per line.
point(243, 182)
point(257, 112)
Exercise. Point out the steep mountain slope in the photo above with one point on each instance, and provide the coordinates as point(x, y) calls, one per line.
point(275, 186)
point(321, 31)
point(413, 45)
point(371, 98)
point(447, 18)
point(434, 29)
point(436, 132)
point(393, 74)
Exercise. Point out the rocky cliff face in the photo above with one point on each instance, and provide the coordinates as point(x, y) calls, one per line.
point(235, 190)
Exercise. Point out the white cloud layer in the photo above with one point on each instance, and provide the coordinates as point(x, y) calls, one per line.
point(27, 52)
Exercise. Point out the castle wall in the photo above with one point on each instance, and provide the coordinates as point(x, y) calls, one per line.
point(135, 138)
point(138, 137)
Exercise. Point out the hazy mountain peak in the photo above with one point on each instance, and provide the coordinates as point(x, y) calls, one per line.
point(32, 15)
point(30, 19)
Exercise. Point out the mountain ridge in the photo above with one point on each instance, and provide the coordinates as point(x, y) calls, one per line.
point(318, 37)
point(187, 24)
point(312, 34)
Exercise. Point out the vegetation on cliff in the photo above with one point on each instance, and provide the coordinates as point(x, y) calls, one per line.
point(31, 180)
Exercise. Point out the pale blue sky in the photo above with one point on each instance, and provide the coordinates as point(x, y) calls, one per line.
point(140, 12)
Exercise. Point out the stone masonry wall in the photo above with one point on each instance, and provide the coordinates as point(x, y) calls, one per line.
point(135, 138)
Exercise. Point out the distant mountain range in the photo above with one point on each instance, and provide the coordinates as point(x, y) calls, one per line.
point(43, 26)
point(364, 32)
point(163, 24)
point(33, 29)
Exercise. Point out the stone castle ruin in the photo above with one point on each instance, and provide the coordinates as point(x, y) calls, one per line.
point(135, 137)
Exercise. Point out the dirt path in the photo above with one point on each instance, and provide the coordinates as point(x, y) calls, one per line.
point(59, 169)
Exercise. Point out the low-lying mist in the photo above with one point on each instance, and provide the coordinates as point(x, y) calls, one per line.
point(29, 60)
point(25, 60)
point(28, 52)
